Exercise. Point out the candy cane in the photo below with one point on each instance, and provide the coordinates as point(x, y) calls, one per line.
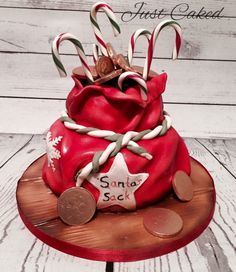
point(132, 42)
point(136, 77)
point(55, 54)
point(153, 39)
point(95, 52)
point(112, 18)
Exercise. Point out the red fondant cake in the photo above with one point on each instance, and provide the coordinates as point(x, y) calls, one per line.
point(107, 108)
point(114, 149)
point(115, 140)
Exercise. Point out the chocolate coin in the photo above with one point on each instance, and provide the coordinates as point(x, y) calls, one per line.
point(108, 77)
point(123, 63)
point(111, 53)
point(139, 70)
point(162, 222)
point(104, 66)
point(182, 185)
point(79, 71)
point(76, 206)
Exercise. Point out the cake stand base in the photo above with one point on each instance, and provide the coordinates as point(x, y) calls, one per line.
point(109, 236)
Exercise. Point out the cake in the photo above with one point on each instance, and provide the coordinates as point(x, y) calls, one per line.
point(114, 140)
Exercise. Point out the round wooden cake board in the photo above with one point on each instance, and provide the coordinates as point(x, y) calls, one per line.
point(109, 236)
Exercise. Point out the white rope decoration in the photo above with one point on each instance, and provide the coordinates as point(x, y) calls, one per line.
point(85, 171)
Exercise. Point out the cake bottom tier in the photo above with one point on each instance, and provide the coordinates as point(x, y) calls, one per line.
point(111, 236)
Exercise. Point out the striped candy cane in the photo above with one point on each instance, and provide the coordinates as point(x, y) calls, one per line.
point(136, 77)
point(95, 52)
point(56, 57)
point(132, 42)
point(112, 18)
point(152, 43)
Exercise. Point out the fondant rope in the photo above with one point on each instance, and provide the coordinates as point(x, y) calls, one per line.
point(119, 141)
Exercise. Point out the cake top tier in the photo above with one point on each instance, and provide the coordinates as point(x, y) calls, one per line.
point(111, 68)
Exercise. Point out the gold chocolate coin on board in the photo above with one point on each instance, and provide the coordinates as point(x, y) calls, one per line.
point(76, 206)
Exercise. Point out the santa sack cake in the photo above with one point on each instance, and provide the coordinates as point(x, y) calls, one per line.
point(114, 139)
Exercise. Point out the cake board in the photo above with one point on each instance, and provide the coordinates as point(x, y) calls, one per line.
point(112, 237)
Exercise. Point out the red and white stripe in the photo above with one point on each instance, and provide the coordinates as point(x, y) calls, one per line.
point(112, 18)
point(95, 52)
point(55, 51)
point(153, 40)
point(132, 42)
point(137, 78)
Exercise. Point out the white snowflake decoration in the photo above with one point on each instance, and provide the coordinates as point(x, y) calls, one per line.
point(52, 152)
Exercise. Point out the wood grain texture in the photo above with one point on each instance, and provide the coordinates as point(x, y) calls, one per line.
point(205, 73)
point(223, 151)
point(32, 30)
point(215, 249)
point(29, 253)
point(42, 81)
point(14, 144)
point(117, 5)
point(224, 225)
point(25, 28)
point(114, 233)
point(183, 86)
point(37, 115)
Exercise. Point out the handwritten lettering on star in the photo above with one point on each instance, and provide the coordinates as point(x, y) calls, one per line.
point(117, 186)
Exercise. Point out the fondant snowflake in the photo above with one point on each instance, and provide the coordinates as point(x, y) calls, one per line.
point(52, 152)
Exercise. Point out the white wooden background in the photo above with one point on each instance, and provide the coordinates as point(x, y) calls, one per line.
point(200, 96)
point(200, 93)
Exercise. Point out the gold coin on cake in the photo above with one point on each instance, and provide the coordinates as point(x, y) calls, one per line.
point(104, 66)
point(108, 77)
point(122, 63)
point(76, 206)
point(182, 186)
point(79, 71)
point(111, 53)
point(162, 222)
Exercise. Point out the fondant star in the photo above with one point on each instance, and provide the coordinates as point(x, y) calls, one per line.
point(117, 186)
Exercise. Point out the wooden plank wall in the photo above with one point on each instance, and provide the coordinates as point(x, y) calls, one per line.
point(200, 93)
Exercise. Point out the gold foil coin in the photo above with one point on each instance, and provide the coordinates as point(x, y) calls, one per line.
point(108, 77)
point(182, 186)
point(79, 72)
point(162, 222)
point(76, 206)
point(104, 66)
point(111, 53)
point(123, 63)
